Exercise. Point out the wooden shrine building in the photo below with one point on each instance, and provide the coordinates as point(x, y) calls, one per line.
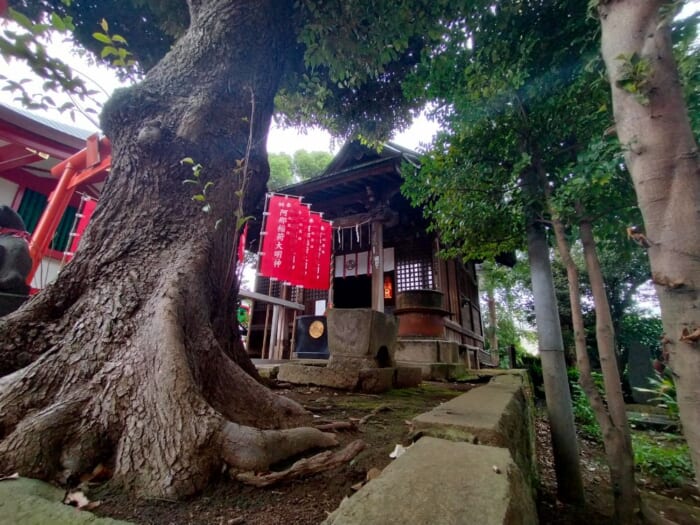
point(381, 247)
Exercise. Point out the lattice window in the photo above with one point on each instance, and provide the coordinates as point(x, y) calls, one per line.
point(414, 269)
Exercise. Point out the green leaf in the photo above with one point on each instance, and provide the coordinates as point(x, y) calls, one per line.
point(57, 22)
point(101, 37)
point(119, 38)
point(104, 25)
point(187, 160)
point(107, 51)
point(21, 19)
point(242, 220)
point(199, 198)
point(206, 208)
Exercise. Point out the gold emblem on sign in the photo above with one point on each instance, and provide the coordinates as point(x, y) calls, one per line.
point(316, 329)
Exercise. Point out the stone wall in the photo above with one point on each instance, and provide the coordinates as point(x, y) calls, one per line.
point(474, 463)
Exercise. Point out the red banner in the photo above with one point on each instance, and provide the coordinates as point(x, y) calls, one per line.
point(242, 239)
point(312, 246)
point(87, 211)
point(299, 275)
point(279, 238)
point(321, 272)
point(297, 244)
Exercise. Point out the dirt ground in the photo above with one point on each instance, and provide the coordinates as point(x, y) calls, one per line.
point(308, 501)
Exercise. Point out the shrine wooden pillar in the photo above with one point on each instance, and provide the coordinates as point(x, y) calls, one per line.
point(377, 266)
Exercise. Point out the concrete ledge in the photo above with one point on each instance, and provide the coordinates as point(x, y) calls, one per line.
point(438, 482)
point(369, 380)
point(498, 414)
point(32, 502)
point(317, 375)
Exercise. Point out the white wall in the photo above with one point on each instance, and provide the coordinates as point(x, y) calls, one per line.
point(8, 190)
point(46, 273)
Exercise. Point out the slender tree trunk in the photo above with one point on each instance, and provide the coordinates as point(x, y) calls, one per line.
point(132, 356)
point(493, 322)
point(549, 337)
point(620, 455)
point(616, 437)
point(662, 156)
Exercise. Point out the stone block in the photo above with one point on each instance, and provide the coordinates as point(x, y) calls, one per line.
point(407, 376)
point(424, 367)
point(446, 371)
point(362, 333)
point(375, 380)
point(449, 352)
point(438, 482)
point(498, 414)
point(317, 375)
point(417, 350)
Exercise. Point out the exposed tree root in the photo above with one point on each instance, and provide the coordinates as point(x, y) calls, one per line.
point(380, 408)
point(305, 467)
point(162, 406)
point(247, 448)
point(337, 425)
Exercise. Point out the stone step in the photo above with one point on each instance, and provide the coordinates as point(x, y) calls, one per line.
point(439, 482)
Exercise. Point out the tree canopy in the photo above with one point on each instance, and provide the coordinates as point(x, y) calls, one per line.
point(286, 169)
point(343, 72)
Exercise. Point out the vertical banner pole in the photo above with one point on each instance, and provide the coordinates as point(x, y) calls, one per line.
point(299, 298)
point(261, 254)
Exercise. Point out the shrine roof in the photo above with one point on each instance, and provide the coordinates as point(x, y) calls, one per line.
point(354, 174)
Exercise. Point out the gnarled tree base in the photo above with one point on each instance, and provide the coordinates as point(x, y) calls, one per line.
point(154, 397)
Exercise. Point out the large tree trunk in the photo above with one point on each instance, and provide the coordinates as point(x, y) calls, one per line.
point(132, 355)
point(662, 156)
point(611, 417)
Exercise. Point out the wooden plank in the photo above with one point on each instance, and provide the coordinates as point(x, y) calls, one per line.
point(270, 300)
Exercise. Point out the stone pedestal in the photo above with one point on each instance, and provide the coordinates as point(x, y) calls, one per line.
point(362, 343)
point(361, 338)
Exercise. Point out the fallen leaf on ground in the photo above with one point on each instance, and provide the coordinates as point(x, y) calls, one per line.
point(373, 473)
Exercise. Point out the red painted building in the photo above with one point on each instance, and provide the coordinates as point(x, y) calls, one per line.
point(30, 146)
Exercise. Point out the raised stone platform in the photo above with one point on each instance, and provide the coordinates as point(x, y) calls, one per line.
point(361, 344)
point(368, 380)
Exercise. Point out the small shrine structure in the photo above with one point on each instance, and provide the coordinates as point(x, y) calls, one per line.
point(383, 259)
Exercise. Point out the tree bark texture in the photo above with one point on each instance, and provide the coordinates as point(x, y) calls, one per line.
point(615, 431)
point(662, 156)
point(131, 357)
